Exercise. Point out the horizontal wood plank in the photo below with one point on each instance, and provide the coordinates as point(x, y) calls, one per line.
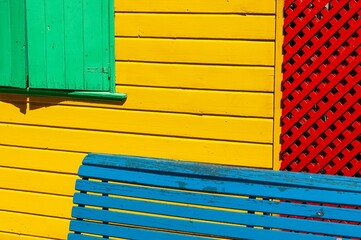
point(16, 236)
point(249, 104)
point(125, 232)
point(210, 181)
point(224, 216)
point(222, 185)
point(296, 180)
point(74, 236)
point(40, 159)
point(113, 120)
point(184, 76)
point(37, 226)
point(34, 181)
point(203, 6)
point(231, 153)
point(209, 229)
point(195, 51)
point(35, 203)
point(199, 102)
point(195, 26)
point(215, 201)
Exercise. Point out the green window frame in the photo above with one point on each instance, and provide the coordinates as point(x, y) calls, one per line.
point(58, 48)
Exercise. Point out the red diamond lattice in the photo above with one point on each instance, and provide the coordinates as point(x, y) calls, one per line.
point(321, 102)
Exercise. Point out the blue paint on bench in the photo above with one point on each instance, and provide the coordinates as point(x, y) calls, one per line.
point(144, 198)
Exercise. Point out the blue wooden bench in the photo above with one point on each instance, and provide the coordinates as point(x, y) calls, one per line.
point(143, 198)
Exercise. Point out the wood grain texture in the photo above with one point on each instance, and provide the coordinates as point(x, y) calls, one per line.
point(68, 45)
point(206, 97)
point(277, 86)
point(210, 201)
point(40, 159)
point(195, 51)
point(231, 153)
point(35, 181)
point(16, 236)
point(238, 173)
point(35, 203)
point(223, 103)
point(165, 124)
point(202, 6)
point(37, 226)
point(234, 78)
point(12, 44)
point(198, 26)
point(199, 102)
point(200, 198)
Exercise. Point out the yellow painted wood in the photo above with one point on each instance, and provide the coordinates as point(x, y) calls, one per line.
point(35, 203)
point(15, 236)
point(231, 153)
point(182, 125)
point(191, 6)
point(176, 109)
point(215, 26)
point(199, 102)
point(177, 100)
point(278, 82)
point(196, 76)
point(19, 223)
point(35, 181)
point(195, 51)
point(40, 159)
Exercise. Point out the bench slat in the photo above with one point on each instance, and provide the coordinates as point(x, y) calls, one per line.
point(127, 232)
point(219, 171)
point(74, 236)
point(188, 225)
point(221, 201)
point(218, 215)
point(144, 198)
point(247, 188)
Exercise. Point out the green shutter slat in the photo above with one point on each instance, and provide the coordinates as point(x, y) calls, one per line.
point(55, 47)
point(36, 34)
point(69, 39)
point(73, 18)
point(12, 44)
point(94, 31)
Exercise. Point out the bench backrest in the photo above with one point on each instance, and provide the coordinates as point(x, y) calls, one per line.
point(144, 198)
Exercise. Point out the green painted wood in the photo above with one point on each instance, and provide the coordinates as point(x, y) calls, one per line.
point(100, 96)
point(12, 44)
point(36, 35)
point(111, 28)
point(73, 18)
point(5, 43)
point(69, 44)
point(55, 47)
point(95, 30)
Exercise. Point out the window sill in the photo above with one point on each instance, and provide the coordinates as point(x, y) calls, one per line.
point(103, 96)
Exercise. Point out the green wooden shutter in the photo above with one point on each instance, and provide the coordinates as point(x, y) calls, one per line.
point(68, 44)
point(12, 44)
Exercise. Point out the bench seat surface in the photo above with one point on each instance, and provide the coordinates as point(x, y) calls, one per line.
point(130, 197)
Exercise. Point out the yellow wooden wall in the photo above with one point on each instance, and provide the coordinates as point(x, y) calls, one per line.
point(201, 79)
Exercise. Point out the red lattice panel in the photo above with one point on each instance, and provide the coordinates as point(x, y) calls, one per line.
point(321, 102)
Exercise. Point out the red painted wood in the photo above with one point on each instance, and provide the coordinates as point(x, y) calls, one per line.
point(321, 102)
